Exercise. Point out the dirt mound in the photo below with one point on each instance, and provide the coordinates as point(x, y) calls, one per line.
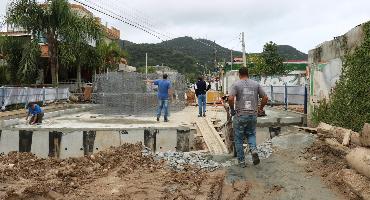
point(328, 163)
point(117, 173)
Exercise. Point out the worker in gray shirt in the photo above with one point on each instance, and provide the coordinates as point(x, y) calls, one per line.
point(247, 94)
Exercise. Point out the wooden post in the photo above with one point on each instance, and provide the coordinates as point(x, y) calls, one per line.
point(183, 139)
point(150, 139)
point(25, 141)
point(88, 142)
point(229, 131)
point(55, 139)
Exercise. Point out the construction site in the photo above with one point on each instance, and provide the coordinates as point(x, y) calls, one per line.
point(99, 133)
point(115, 149)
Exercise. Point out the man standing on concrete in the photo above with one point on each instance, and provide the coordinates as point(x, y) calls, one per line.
point(36, 113)
point(164, 91)
point(201, 89)
point(247, 93)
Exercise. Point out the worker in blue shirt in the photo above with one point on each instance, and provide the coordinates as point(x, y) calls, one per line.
point(35, 112)
point(164, 92)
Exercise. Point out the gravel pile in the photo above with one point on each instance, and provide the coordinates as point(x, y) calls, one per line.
point(178, 160)
point(264, 151)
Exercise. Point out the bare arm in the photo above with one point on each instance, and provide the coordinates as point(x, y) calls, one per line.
point(263, 103)
point(231, 102)
point(149, 81)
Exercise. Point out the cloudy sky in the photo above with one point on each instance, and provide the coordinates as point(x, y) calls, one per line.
point(302, 24)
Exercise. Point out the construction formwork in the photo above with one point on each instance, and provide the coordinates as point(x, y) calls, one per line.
point(128, 93)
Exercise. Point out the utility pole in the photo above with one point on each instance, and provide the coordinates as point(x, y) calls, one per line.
point(215, 54)
point(146, 65)
point(243, 48)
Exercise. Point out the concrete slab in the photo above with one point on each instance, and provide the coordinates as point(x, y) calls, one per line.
point(71, 145)
point(9, 141)
point(4, 124)
point(105, 139)
point(40, 144)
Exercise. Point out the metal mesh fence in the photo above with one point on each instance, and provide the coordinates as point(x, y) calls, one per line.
point(129, 94)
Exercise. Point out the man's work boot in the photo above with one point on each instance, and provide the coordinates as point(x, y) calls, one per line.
point(165, 119)
point(255, 158)
point(200, 115)
point(242, 164)
point(204, 114)
point(157, 119)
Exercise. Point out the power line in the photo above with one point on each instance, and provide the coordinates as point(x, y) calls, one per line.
point(119, 19)
point(152, 29)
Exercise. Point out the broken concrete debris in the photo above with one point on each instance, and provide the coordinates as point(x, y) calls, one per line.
point(264, 151)
point(359, 159)
point(365, 135)
point(179, 160)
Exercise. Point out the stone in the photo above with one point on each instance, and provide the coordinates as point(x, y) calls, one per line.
point(365, 135)
point(324, 128)
point(359, 159)
point(55, 195)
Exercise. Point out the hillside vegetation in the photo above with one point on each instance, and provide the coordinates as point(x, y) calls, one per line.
point(186, 54)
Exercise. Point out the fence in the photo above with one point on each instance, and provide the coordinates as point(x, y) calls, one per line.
point(286, 95)
point(19, 95)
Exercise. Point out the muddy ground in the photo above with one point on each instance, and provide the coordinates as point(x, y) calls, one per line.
point(301, 167)
point(117, 173)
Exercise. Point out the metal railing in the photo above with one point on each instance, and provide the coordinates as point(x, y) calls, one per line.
point(287, 95)
point(24, 95)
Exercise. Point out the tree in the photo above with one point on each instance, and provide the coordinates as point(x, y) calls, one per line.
point(21, 57)
point(53, 20)
point(81, 35)
point(273, 61)
point(12, 49)
point(256, 64)
point(28, 68)
point(111, 55)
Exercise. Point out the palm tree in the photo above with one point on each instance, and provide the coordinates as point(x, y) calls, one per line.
point(55, 21)
point(111, 55)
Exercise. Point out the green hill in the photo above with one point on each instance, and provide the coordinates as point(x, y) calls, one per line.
point(186, 54)
point(291, 53)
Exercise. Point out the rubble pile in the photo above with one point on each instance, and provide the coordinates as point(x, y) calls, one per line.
point(264, 151)
point(178, 160)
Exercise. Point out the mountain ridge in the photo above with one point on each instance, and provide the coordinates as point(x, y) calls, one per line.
point(187, 55)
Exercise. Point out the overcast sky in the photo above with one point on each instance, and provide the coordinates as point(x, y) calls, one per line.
point(302, 24)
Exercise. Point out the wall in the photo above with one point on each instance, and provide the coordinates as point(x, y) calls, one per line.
point(325, 64)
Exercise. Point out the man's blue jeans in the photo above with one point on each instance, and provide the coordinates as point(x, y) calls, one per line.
point(162, 104)
point(244, 126)
point(202, 102)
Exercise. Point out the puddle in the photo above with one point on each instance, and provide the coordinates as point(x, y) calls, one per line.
point(80, 143)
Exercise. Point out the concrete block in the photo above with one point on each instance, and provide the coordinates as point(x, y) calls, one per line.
point(324, 128)
point(40, 144)
point(359, 159)
point(166, 140)
point(365, 135)
point(291, 120)
point(132, 136)
point(71, 145)
point(9, 141)
point(106, 139)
